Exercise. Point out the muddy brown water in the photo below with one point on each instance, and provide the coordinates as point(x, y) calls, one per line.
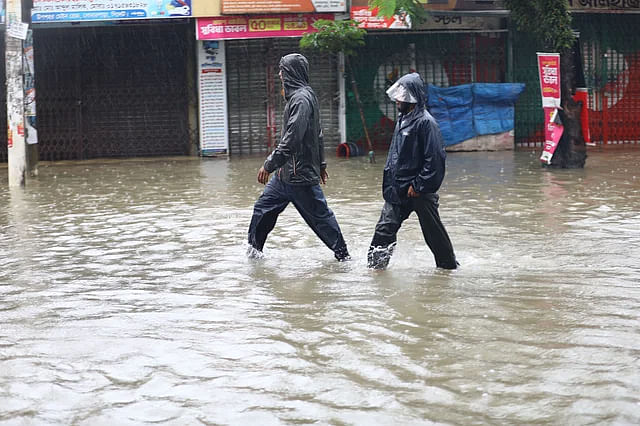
point(126, 298)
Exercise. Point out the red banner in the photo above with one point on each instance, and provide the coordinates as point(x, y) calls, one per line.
point(243, 27)
point(549, 72)
point(553, 130)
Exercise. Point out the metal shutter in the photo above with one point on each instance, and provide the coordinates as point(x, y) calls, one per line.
point(253, 85)
point(112, 91)
point(247, 96)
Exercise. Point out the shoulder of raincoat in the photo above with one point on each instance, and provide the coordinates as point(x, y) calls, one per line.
point(416, 154)
point(299, 157)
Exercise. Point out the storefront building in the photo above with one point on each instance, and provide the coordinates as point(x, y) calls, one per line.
point(195, 77)
point(467, 41)
point(113, 82)
point(460, 43)
point(610, 51)
point(146, 79)
point(242, 53)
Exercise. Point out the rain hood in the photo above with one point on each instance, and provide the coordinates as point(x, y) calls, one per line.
point(415, 87)
point(295, 73)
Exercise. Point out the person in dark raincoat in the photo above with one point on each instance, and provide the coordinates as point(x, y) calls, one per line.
point(299, 166)
point(412, 176)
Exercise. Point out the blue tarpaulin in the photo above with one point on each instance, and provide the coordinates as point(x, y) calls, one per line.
point(469, 110)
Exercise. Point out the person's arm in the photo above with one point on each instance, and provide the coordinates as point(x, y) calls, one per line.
point(432, 173)
point(294, 130)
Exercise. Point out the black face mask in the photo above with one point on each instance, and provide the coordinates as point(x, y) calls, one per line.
point(404, 107)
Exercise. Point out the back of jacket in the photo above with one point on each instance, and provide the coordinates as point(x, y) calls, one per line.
point(299, 157)
point(416, 155)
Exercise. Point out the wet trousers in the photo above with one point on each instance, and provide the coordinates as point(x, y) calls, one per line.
point(435, 235)
point(310, 203)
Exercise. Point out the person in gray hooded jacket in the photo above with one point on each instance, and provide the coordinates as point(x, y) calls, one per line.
point(298, 166)
point(412, 176)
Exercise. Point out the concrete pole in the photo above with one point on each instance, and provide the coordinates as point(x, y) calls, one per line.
point(342, 106)
point(17, 149)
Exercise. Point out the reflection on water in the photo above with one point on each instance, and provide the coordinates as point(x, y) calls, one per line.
point(125, 298)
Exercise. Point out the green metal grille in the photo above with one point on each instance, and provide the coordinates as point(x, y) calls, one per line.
point(611, 61)
point(529, 116)
point(442, 59)
point(113, 91)
point(611, 51)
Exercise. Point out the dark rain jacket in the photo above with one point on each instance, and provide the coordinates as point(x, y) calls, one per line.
point(299, 157)
point(416, 155)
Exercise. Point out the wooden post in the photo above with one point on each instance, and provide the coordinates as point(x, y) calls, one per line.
point(354, 87)
point(17, 149)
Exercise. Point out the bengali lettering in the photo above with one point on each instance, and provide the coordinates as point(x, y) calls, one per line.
point(447, 20)
point(605, 4)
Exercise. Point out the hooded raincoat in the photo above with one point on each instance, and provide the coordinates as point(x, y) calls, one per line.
point(416, 155)
point(298, 162)
point(299, 156)
point(416, 158)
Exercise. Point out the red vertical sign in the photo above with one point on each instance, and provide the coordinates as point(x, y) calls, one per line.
point(552, 132)
point(549, 72)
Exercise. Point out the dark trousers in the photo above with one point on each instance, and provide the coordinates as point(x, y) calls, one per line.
point(435, 235)
point(310, 203)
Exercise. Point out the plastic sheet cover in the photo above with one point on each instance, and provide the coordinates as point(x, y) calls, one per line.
point(469, 110)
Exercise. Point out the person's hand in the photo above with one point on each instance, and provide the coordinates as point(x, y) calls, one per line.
point(263, 176)
point(411, 193)
point(324, 175)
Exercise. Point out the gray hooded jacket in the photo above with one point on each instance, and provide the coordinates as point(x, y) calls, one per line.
point(299, 156)
point(416, 155)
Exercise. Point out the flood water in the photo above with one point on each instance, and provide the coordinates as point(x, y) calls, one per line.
point(126, 298)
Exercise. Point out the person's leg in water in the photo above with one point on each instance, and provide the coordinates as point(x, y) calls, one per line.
point(269, 205)
point(384, 238)
point(312, 206)
point(434, 232)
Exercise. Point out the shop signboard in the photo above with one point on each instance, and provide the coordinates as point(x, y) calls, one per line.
point(370, 19)
point(463, 5)
point(441, 17)
point(431, 5)
point(604, 5)
point(240, 7)
point(475, 5)
point(447, 22)
point(107, 10)
point(245, 27)
point(212, 96)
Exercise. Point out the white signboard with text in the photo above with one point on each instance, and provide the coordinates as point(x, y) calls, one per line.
point(212, 97)
point(107, 10)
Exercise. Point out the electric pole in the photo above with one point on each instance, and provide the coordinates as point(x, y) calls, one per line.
point(17, 147)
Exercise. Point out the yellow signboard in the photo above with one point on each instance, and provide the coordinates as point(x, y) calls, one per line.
point(265, 24)
point(295, 25)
